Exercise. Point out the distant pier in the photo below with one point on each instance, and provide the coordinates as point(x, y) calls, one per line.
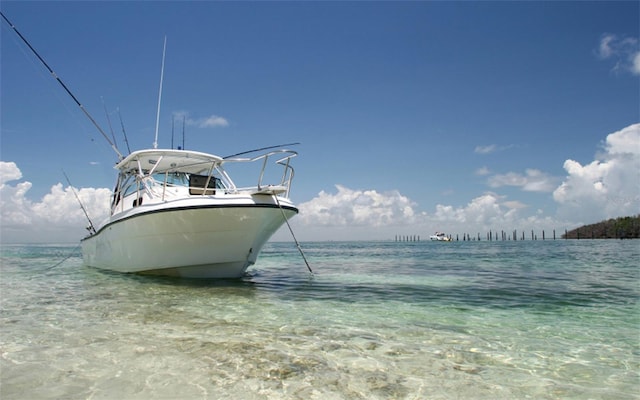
point(407, 238)
point(618, 228)
point(492, 236)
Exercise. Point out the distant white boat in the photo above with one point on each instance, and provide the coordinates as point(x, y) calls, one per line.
point(179, 213)
point(441, 237)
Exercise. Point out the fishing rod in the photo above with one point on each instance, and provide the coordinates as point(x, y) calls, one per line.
point(124, 133)
point(91, 228)
point(113, 136)
point(63, 85)
point(260, 149)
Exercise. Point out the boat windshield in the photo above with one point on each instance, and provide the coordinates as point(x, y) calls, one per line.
point(173, 178)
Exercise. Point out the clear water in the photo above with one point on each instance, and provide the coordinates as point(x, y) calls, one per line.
point(378, 320)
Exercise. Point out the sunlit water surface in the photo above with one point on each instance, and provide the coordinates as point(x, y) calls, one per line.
point(378, 320)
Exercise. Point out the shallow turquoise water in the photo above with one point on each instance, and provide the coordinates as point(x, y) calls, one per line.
point(422, 320)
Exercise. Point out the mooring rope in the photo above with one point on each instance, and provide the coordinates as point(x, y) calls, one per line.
point(64, 259)
point(292, 234)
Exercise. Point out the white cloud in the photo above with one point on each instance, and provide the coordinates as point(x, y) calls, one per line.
point(57, 217)
point(607, 187)
point(9, 171)
point(625, 141)
point(636, 64)
point(482, 171)
point(625, 51)
point(605, 50)
point(350, 207)
point(485, 149)
point(484, 212)
point(212, 121)
point(532, 181)
point(336, 216)
point(492, 148)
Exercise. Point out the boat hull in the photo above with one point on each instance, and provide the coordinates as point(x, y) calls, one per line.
point(201, 241)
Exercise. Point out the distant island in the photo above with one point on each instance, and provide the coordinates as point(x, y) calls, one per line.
point(619, 228)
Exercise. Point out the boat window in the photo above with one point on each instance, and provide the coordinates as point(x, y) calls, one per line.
point(197, 184)
point(129, 186)
point(173, 178)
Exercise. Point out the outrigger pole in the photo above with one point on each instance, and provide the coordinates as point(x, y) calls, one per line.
point(260, 149)
point(90, 228)
point(64, 86)
point(124, 133)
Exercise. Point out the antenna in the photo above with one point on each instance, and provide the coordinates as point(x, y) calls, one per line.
point(164, 48)
point(183, 120)
point(173, 118)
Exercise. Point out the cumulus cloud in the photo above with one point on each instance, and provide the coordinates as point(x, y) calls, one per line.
point(624, 51)
point(369, 214)
point(607, 187)
point(533, 180)
point(488, 212)
point(485, 212)
point(212, 121)
point(9, 171)
point(350, 207)
point(57, 216)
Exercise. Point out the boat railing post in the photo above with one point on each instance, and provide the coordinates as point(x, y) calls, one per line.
point(206, 184)
point(284, 172)
point(164, 186)
point(264, 166)
point(291, 173)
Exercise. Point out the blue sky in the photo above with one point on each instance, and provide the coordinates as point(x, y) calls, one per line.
point(413, 116)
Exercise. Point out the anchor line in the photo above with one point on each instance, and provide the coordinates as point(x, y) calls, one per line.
point(64, 259)
point(292, 234)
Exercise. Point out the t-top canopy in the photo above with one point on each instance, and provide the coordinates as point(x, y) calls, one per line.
point(161, 161)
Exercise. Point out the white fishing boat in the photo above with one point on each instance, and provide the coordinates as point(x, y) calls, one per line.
point(179, 213)
point(440, 237)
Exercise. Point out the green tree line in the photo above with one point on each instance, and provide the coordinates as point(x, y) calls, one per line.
point(618, 228)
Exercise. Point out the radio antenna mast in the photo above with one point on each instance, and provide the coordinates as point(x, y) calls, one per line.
point(172, 126)
point(164, 48)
